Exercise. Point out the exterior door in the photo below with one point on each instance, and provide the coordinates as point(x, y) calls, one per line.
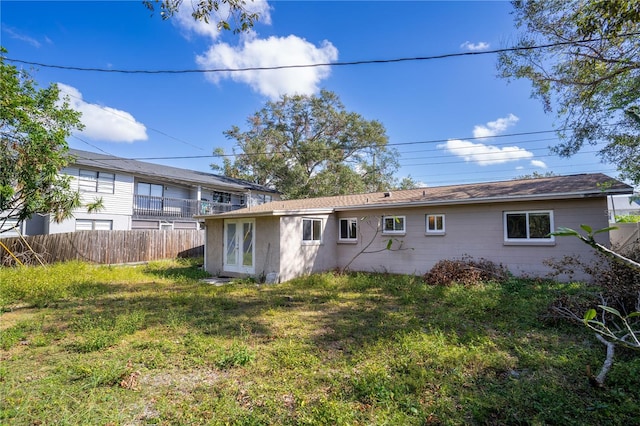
point(239, 247)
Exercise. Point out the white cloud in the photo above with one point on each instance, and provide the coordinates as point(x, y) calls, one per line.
point(255, 52)
point(493, 128)
point(271, 52)
point(19, 36)
point(481, 45)
point(485, 155)
point(538, 163)
point(189, 24)
point(104, 123)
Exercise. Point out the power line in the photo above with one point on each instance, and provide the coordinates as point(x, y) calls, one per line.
point(325, 64)
point(430, 141)
point(124, 117)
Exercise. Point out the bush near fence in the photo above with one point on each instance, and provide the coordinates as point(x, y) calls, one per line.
point(105, 247)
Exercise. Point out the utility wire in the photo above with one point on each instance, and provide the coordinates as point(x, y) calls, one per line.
point(126, 118)
point(431, 141)
point(325, 64)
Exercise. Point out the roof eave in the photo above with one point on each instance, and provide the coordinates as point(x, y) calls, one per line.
point(482, 200)
point(373, 206)
point(248, 213)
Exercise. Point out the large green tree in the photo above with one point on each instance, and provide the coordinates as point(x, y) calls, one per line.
point(589, 76)
point(310, 146)
point(34, 125)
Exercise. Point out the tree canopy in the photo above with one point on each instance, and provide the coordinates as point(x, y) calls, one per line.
point(34, 126)
point(589, 74)
point(310, 146)
point(224, 12)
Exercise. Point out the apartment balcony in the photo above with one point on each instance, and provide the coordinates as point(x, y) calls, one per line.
point(145, 206)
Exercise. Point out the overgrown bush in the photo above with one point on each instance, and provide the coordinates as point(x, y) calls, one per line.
point(466, 271)
point(615, 283)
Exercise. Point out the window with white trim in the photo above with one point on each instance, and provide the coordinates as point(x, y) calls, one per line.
point(533, 226)
point(434, 223)
point(93, 181)
point(348, 229)
point(311, 230)
point(9, 227)
point(393, 224)
point(93, 225)
point(221, 197)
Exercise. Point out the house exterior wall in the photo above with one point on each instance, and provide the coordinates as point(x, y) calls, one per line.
point(118, 203)
point(475, 230)
point(214, 246)
point(267, 246)
point(299, 258)
point(172, 191)
point(117, 206)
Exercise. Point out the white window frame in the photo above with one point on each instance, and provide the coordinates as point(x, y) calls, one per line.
point(350, 221)
point(148, 189)
point(396, 221)
point(435, 217)
point(313, 221)
point(9, 228)
point(95, 181)
point(94, 223)
point(528, 239)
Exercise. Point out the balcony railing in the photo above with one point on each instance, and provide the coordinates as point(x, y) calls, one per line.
point(148, 206)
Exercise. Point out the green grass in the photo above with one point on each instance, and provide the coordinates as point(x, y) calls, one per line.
point(83, 344)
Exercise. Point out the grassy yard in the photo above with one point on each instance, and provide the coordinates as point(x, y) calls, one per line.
point(152, 344)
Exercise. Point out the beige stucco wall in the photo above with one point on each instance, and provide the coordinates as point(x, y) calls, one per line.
point(296, 258)
point(214, 237)
point(267, 246)
point(474, 230)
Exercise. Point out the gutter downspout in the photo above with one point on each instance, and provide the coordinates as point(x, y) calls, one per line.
point(206, 234)
point(613, 208)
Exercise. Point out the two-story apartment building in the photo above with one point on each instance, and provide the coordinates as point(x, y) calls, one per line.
point(142, 195)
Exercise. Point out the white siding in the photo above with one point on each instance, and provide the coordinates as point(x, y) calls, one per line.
point(118, 222)
point(10, 224)
point(177, 192)
point(118, 203)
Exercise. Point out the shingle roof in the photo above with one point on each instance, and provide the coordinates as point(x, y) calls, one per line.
point(141, 168)
point(556, 187)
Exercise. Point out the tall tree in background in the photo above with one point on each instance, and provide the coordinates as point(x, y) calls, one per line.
point(590, 77)
point(238, 15)
point(309, 146)
point(34, 126)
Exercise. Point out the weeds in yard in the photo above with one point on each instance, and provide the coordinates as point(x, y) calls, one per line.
point(153, 345)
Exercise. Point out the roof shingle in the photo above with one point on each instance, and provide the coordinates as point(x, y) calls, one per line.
point(571, 186)
point(110, 162)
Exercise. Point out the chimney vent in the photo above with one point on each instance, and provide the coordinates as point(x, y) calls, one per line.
point(387, 194)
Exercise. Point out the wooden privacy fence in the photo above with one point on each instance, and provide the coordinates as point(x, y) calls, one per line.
point(106, 247)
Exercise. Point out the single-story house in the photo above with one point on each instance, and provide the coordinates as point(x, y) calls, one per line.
point(409, 231)
point(142, 195)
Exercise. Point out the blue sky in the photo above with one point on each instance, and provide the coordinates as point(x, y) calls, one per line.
point(452, 120)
